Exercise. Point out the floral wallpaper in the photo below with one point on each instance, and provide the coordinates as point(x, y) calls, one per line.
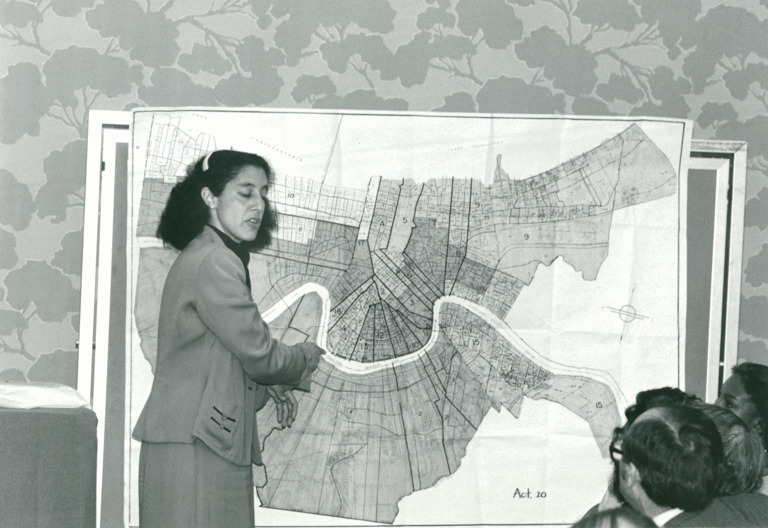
point(697, 59)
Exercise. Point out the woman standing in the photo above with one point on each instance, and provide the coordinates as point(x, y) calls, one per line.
point(215, 355)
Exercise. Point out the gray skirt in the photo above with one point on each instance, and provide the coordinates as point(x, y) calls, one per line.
point(188, 485)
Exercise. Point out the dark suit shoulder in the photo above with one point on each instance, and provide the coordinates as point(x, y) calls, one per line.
point(742, 511)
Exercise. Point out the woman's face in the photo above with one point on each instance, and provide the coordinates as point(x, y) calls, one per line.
point(237, 211)
point(734, 397)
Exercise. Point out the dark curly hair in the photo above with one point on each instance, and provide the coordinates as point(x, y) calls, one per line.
point(755, 379)
point(663, 396)
point(647, 399)
point(186, 214)
point(679, 455)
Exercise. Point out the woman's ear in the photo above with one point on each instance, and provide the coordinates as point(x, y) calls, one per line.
point(208, 197)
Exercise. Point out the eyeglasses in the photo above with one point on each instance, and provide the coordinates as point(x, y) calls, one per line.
point(614, 452)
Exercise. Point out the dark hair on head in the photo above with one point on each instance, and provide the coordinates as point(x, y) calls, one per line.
point(616, 518)
point(743, 472)
point(679, 456)
point(663, 396)
point(186, 214)
point(754, 376)
point(647, 399)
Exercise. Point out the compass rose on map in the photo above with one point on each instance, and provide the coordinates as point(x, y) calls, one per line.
point(627, 313)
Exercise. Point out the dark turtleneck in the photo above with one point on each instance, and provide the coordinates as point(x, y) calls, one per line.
point(242, 253)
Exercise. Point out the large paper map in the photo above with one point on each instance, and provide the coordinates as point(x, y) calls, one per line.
point(408, 246)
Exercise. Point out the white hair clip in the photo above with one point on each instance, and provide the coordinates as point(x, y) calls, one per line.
point(205, 161)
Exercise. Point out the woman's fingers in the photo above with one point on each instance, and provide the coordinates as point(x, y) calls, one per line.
point(277, 392)
point(281, 410)
point(292, 407)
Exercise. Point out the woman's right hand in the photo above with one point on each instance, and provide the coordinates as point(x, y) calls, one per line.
point(312, 353)
point(286, 406)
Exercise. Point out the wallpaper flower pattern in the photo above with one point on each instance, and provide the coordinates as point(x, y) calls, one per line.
point(697, 59)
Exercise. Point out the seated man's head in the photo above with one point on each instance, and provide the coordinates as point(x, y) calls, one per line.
point(647, 399)
point(671, 457)
point(743, 451)
point(662, 396)
point(745, 394)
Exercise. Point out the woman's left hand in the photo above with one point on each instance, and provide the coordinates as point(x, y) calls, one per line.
point(286, 406)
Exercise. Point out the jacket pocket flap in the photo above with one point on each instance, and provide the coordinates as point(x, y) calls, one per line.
point(218, 421)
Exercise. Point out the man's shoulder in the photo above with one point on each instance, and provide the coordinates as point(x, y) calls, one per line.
point(745, 498)
point(745, 510)
point(753, 505)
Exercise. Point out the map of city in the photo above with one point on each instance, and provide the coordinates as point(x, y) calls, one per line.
point(407, 283)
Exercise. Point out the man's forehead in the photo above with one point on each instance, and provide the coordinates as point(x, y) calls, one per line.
point(734, 386)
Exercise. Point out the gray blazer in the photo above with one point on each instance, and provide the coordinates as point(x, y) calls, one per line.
point(214, 357)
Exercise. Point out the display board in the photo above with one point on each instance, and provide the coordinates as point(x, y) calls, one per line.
point(488, 289)
point(716, 199)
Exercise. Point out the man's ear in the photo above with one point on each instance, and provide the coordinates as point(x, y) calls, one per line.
point(629, 474)
point(208, 197)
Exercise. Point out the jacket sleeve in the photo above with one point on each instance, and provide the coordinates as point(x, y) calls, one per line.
point(225, 306)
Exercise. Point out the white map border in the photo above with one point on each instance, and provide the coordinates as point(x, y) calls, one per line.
point(138, 371)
